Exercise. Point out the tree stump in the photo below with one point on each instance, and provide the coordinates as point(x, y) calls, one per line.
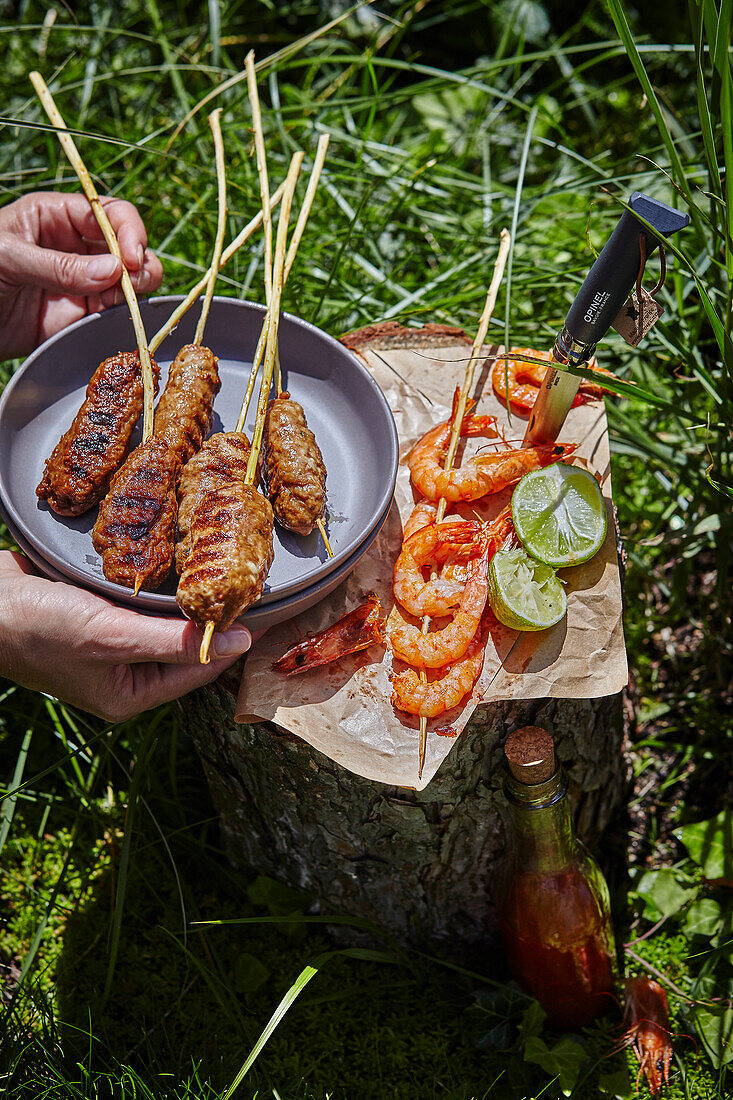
point(418, 864)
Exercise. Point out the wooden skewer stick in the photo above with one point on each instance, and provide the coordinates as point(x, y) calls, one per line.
point(254, 101)
point(478, 343)
point(215, 124)
point(322, 528)
point(67, 143)
point(273, 314)
point(305, 209)
point(241, 238)
point(292, 250)
point(206, 642)
point(300, 225)
point(256, 361)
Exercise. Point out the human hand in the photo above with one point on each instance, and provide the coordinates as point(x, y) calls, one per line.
point(55, 267)
point(85, 651)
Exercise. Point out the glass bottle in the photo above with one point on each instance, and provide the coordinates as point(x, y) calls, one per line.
point(554, 911)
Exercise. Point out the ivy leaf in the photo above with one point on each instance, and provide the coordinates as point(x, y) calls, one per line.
point(498, 1038)
point(704, 918)
point(663, 895)
point(617, 1084)
point(249, 973)
point(715, 1028)
point(710, 844)
point(562, 1061)
point(533, 1020)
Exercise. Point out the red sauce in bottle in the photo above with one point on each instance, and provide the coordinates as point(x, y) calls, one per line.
point(554, 908)
point(557, 945)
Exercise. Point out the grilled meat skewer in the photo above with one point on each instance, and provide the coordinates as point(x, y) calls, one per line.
point(295, 473)
point(143, 545)
point(79, 471)
point(186, 407)
point(222, 459)
point(230, 551)
point(135, 528)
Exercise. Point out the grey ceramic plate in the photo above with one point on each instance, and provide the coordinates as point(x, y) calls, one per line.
point(260, 616)
point(344, 406)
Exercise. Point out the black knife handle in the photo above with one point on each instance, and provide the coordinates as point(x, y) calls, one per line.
point(614, 273)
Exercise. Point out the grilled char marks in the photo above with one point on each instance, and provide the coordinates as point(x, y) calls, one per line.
point(136, 524)
point(223, 458)
point(78, 473)
point(230, 554)
point(185, 410)
point(295, 473)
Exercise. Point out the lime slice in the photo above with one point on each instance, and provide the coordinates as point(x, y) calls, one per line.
point(559, 515)
point(524, 594)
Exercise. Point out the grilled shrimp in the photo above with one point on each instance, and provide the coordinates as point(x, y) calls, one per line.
point(525, 380)
point(427, 456)
point(442, 647)
point(451, 544)
point(428, 700)
point(433, 543)
point(489, 473)
point(358, 630)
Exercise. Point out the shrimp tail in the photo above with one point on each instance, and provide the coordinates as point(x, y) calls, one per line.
point(358, 630)
point(470, 403)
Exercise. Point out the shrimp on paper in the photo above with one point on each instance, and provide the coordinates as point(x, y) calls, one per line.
point(353, 632)
point(449, 544)
point(426, 458)
point(433, 544)
point(525, 380)
point(422, 515)
point(482, 475)
point(646, 1018)
point(443, 647)
point(428, 700)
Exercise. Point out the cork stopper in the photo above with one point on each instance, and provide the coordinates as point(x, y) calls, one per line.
point(530, 753)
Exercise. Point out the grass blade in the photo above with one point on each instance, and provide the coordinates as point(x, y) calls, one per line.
point(138, 776)
point(309, 972)
point(513, 235)
point(7, 807)
point(619, 17)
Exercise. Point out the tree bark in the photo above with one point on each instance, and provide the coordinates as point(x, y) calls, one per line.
point(418, 864)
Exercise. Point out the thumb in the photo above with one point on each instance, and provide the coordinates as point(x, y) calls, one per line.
point(28, 264)
point(125, 637)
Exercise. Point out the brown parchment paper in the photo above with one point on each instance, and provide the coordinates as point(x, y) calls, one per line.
point(344, 709)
